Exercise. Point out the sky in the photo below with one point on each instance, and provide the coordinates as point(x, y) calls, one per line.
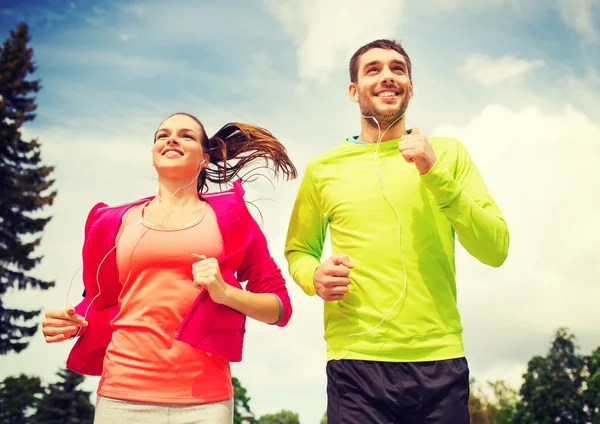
point(516, 81)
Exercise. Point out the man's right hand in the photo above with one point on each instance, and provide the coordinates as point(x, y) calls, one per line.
point(332, 278)
point(60, 324)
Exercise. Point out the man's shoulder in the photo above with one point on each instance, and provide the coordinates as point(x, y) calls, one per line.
point(331, 154)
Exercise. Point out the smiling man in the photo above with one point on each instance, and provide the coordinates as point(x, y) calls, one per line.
point(393, 200)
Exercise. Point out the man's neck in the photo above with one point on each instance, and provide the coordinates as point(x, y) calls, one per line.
point(370, 133)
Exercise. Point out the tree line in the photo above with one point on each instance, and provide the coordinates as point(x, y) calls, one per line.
point(562, 386)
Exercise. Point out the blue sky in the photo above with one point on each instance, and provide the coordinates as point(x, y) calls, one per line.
point(515, 80)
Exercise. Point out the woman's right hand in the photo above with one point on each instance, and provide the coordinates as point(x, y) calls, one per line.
point(60, 324)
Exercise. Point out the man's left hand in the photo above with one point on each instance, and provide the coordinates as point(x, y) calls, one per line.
point(416, 148)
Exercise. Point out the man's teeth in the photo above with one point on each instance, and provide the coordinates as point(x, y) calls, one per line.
point(387, 94)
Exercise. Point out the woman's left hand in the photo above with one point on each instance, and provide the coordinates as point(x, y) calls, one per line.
point(207, 275)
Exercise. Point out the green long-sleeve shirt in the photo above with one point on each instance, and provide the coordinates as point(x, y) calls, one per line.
point(341, 189)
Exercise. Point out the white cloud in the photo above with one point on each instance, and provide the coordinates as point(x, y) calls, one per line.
point(540, 168)
point(95, 21)
point(98, 10)
point(134, 9)
point(109, 58)
point(488, 71)
point(327, 32)
point(579, 15)
point(450, 5)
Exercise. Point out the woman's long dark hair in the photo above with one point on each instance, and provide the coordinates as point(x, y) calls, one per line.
point(238, 146)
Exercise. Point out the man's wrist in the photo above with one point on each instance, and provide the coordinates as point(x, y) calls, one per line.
point(315, 273)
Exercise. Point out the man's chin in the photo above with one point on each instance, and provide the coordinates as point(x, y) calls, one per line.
point(389, 114)
point(384, 113)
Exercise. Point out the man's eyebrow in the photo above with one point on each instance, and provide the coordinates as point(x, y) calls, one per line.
point(377, 62)
point(371, 63)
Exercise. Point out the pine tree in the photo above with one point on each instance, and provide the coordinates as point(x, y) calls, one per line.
point(64, 403)
point(18, 398)
point(24, 186)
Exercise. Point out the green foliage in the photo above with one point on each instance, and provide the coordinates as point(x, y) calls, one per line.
point(592, 393)
point(64, 403)
point(18, 398)
point(282, 417)
point(555, 386)
point(497, 409)
point(562, 387)
point(240, 402)
point(506, 404)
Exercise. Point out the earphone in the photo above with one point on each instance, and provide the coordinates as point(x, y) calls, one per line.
point(389, 201)
point(126, 231)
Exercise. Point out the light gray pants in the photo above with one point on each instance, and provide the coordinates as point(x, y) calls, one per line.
point(112, 411)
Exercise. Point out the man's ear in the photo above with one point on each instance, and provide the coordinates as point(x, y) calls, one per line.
point(353, 92)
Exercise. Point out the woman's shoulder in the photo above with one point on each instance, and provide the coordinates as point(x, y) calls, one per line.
point(103, 213)
point(236, 190)
point(227, 200)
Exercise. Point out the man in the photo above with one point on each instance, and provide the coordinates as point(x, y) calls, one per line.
point(393, 200)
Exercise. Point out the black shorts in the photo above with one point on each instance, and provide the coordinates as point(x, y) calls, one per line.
point(370, 392)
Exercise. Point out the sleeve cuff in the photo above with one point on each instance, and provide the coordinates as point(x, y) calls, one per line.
point(307, 277)
point(441, 184)
point(280, 310)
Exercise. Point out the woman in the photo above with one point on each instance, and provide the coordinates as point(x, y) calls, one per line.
point(163, 311)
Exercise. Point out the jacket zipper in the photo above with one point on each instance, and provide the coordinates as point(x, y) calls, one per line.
point(188, 316)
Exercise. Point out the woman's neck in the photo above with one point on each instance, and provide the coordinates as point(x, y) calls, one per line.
point(177, 192)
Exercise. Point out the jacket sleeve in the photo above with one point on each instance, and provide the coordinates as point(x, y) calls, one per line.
point(465, 201)
point(89, 305)
point(259, 269)
point(306, 232)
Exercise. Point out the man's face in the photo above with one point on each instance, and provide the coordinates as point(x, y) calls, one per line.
point(383, 87)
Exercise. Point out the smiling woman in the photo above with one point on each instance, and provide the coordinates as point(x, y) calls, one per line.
point(164, 312)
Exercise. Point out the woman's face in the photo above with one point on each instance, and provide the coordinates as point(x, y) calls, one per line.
point(177, 150)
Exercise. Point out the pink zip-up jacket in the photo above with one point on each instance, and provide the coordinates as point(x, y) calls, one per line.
point(214, 328)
